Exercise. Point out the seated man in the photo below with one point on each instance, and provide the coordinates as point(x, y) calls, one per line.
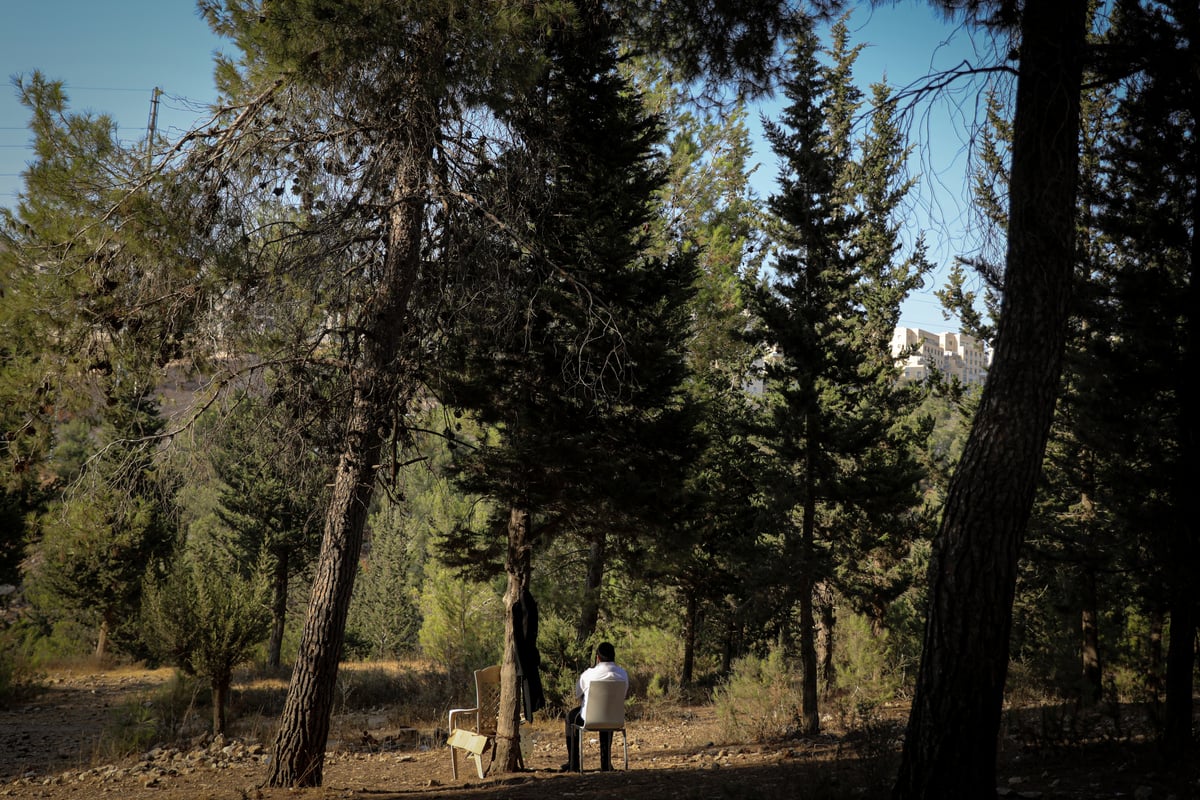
point(605, 668)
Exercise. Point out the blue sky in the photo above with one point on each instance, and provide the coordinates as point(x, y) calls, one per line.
point(112, 55)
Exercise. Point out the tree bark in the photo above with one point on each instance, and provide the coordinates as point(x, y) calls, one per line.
point(589, 612)
point(691, 610)
point(828, 618)
point(102, 636)
point(810, 718)
point(220, 698)
point(1182, 547)
point(279, 591)
point(519, 566)
point(299, 751)
point(1181, 643)
point(950, 744)
point(1093, 685)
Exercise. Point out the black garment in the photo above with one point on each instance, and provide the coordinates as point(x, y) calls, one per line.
point(575, 717)
point(525, 630)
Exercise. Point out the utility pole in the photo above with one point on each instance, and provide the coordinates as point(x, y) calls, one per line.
point(152, 124)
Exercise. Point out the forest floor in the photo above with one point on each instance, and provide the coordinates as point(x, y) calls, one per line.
point(53, 745)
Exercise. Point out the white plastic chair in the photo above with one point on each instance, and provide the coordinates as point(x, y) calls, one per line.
point(477, 739)
point(605, 712)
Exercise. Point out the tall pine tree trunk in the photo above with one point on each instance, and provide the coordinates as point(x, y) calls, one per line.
point(810, 717)
point(589, 611)
point(379, 386)
point(1093, 686)
point(519, 566)
point(828, 618)
point(691, 611)
point(1182, 547)
point(279, 591)
point(950, 744)
point(299, 751)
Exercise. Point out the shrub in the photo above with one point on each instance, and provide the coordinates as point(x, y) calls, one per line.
point(43, 640)
point(866, 676)
point(759, 699)
point(131, 728)
point(654, 657)
point(561, 658)
point(207, 619)
point(18, 675)
point(462, 622)
point(384, 619)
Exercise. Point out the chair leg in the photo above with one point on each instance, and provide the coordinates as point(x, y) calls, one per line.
point(624, 747)
point(453, 762)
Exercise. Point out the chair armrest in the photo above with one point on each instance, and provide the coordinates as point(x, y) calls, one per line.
point(455, 713)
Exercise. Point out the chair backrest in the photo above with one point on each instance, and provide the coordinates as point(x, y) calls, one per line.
point(605, 705)
point(487, 698)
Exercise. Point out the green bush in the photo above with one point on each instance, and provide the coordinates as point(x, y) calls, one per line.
point(653, 657)
point(759, 699)
point(207, 619)
point(866, 676)
point(164, 715)
point(561, 659)
point(462, 622)
point(18, 675)
point(43, 639)
point(384, 619)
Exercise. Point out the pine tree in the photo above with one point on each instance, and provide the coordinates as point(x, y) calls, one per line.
point(583, 411)
point(41, 337)
point(98, 542)
point(77, 253)
point(1146, 337)
point(831, 406)
point(709, 550)
point(383, 619)
point(273, 480)
point(338, 146)
point(989, 191)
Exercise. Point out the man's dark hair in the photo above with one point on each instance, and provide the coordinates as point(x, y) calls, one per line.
point(606, 652)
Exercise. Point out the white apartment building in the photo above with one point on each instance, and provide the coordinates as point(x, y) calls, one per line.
point(952, 354)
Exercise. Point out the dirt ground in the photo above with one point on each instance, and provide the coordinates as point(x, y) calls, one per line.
point(52, 746)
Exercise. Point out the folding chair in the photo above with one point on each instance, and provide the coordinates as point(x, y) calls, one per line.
point(605, 712)
point(477, 739)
